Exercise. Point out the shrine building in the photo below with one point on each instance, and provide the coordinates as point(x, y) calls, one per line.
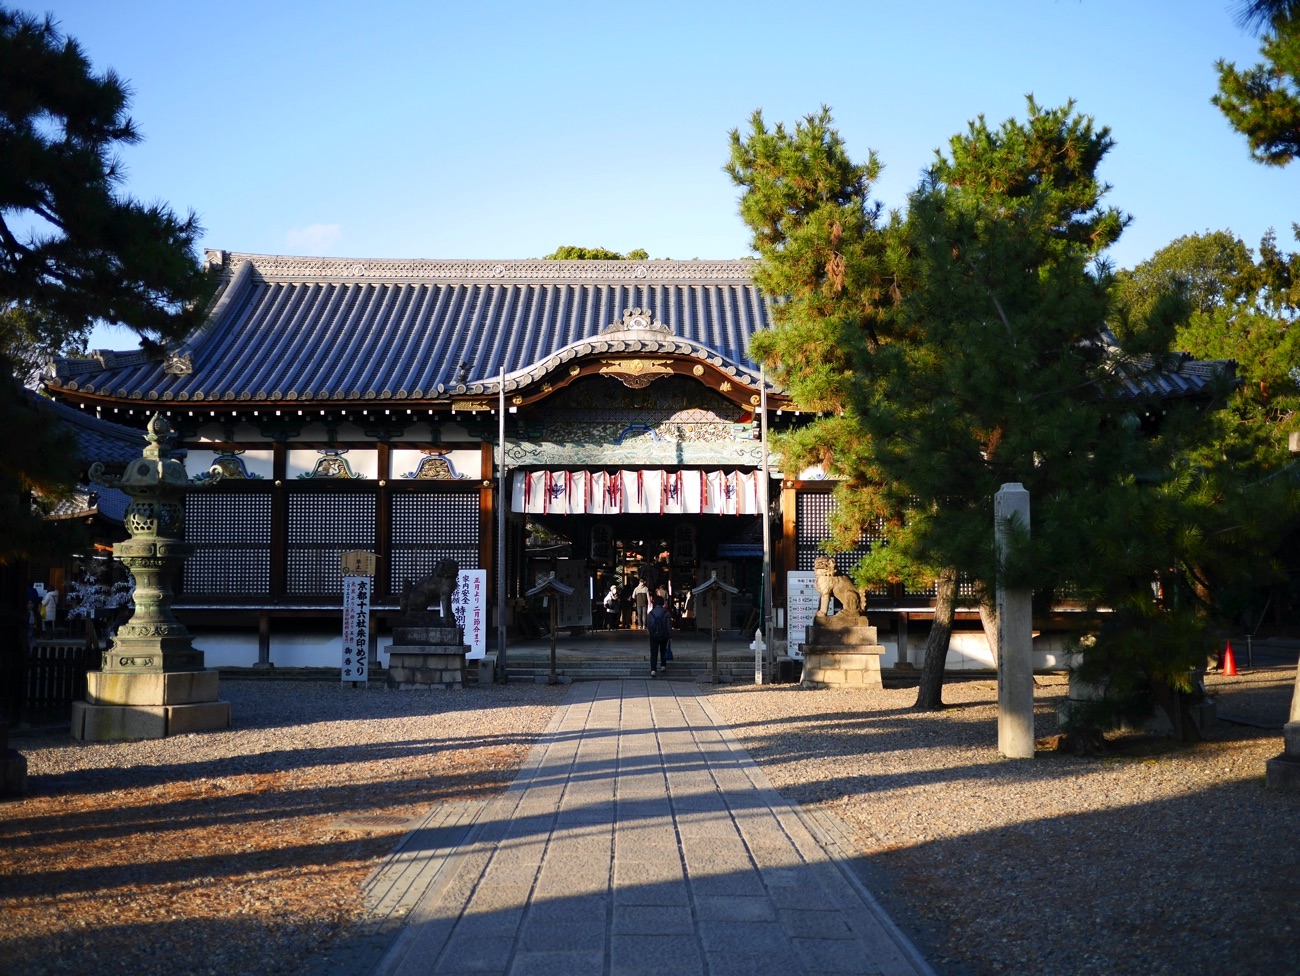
point(355, 405)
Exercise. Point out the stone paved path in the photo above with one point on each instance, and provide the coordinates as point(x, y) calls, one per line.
point(639, 838)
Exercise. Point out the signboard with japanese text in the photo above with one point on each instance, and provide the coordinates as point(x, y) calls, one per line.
point(801, 603)
point(356, 628)
point(469, 604)
point(358, 562)
point(574, 611)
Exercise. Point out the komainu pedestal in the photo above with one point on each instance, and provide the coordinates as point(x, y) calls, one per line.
point(426, 655)
point(841, 652)
point(152, 681)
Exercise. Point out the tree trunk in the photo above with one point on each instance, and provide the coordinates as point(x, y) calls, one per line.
point(989, 620)
point(929, 695)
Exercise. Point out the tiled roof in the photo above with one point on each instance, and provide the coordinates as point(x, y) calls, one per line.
point(1174, 376)
point(325, 329)
point(97, 440)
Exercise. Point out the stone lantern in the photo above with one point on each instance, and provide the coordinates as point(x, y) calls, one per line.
point(152, 681)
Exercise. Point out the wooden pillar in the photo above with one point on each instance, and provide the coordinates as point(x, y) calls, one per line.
point(263, 639)
point(904, 620)
point(788, 548)
point(383, 526)
point(487, 514)
point(279, 520)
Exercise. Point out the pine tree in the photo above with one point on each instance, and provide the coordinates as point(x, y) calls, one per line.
point(1263, 102)
point(962, 349)
point(74, 250)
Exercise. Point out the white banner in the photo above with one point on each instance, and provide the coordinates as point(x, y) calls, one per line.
point(469, 605)
point(801, 603)
point(642, 492)
point(356, 628)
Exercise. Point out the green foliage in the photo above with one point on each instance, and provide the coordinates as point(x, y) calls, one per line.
point(960, 349)
point(1263, 102)
point(73, 248)
point(572, 252)
point(31, 338)
point(1240, 474)
point(39, 466)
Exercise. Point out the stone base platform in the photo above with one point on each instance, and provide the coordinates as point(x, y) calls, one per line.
point(1283, 772)
point(148, 705)
point(13, 769)
point(425, 656)
point(842, 653)
point(108, 723)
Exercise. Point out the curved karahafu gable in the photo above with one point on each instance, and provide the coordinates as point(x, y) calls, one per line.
point(316, 330)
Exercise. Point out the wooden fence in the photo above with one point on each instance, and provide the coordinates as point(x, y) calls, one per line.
point(54, 677)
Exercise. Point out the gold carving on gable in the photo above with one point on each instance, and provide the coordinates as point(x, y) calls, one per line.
point(636, 373)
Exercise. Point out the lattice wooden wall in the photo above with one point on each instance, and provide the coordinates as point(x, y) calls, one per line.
point(427, 528)
point(232, 535)
point(323, 526)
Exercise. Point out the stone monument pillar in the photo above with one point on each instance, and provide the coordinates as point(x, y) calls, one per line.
point(1283, 772)
point(1015, 636)
point(152, 681)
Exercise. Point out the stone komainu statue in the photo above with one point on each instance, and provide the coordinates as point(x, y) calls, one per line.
point(441, 585)
point(830, 583)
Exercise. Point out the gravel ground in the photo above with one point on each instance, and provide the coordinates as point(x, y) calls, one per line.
point(1152, 858)
point(222, 852)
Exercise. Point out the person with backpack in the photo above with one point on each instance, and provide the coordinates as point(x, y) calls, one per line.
point(660, 625)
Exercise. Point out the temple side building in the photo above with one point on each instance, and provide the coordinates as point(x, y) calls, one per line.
point(356, 405)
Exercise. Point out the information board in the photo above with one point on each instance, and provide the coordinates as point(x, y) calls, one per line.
point(356, 628)
point(469, 605)
point(801, 603)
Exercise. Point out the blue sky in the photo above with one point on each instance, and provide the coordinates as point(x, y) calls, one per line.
point(501, 130)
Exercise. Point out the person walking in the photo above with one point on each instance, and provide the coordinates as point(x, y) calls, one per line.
point(50, 603)
point(641, 596)
point(659, 624)
point(611, 607)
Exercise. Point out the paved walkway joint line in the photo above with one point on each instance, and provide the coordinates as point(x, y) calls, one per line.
point(638, 839)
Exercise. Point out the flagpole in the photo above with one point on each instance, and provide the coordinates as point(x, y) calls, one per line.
point(764, 492)
point(502, 501)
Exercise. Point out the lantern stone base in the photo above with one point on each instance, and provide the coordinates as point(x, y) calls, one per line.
point(426, 657)
point(13, 768)
point(152, 705)
point(1283, 772)
point(842, 652)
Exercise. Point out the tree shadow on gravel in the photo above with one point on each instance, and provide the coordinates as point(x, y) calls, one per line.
point(1205, 882)
point(107, 779)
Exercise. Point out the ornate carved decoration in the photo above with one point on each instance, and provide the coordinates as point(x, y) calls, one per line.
point(174, 365)
point(435, 466)
point(227, 466)
point(332, 465)
point(636, 373)
point(638, 320)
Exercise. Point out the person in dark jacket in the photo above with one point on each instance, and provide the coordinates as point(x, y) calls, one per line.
point(660, 625)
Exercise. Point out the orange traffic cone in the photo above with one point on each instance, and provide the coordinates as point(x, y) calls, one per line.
point(1229, 662)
